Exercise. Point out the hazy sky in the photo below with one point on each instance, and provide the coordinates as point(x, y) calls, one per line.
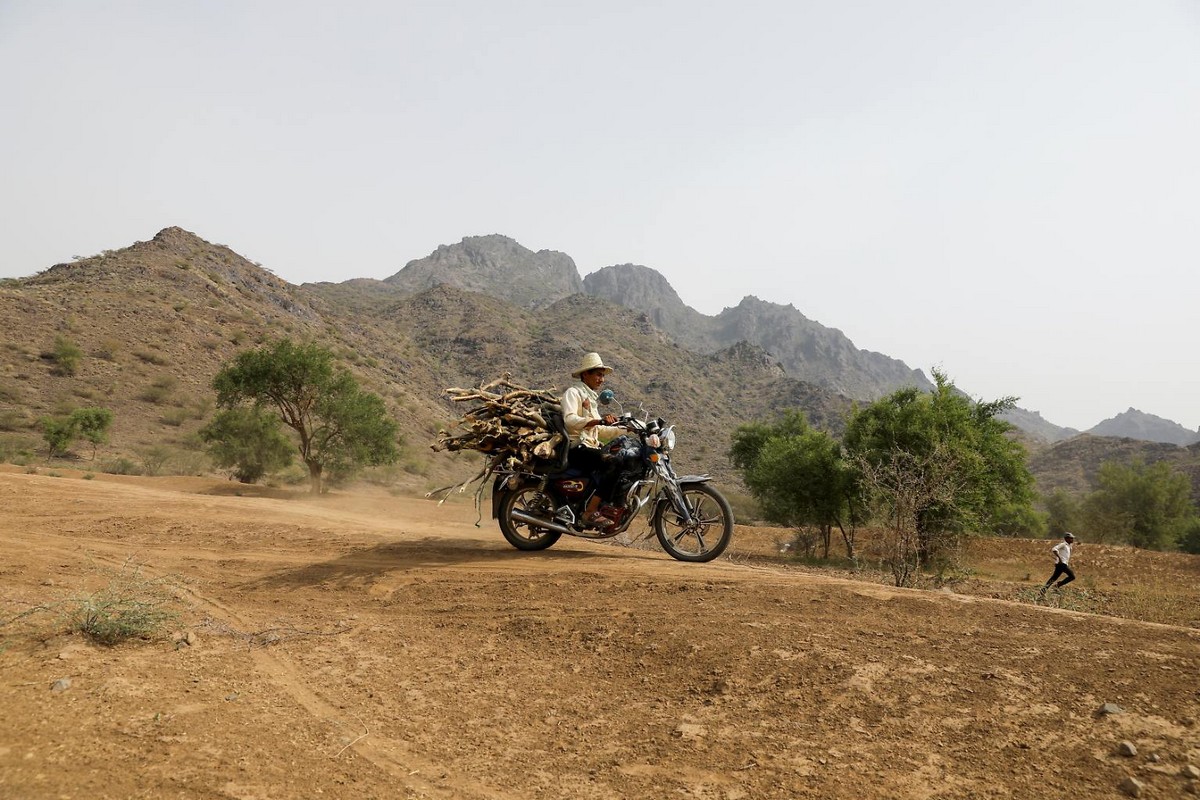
point(1007, 190)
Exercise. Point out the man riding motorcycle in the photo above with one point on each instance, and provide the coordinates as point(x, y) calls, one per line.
point(588, 431)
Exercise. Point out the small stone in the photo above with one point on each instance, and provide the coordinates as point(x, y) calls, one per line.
point(190, 639)
point(1190, 771)
point(1127, 749)
point(61, 685)
point(231, 696)
point(1154, 759)
point(1110, 708)
point(1132, 787)
point(686, 730)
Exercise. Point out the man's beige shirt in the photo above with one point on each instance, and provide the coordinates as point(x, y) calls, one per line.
point(579, 405)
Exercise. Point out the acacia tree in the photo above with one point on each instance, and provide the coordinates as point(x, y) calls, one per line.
point(338, 425)
point(799, 478)
point(92, 424)
point(928, 430)
point(900, 487)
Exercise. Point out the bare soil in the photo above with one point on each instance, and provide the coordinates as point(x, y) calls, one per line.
point(371, 646)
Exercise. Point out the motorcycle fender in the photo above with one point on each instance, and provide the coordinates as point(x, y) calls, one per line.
point(684, 482)
point(497, 492)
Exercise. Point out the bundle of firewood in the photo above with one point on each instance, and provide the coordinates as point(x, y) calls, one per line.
point(507, 424)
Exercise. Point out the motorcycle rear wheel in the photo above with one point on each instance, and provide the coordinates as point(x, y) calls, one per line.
point(709, 532)
point(519, 534)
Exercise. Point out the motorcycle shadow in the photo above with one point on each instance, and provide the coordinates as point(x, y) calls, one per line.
point(359, 566)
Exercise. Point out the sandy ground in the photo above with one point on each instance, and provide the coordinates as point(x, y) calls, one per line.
point(380, 647)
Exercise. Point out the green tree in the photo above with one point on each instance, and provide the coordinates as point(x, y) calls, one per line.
point(247, 441)
point(1189, 538)
point(976, 475)
point(338, 425)
point(59, 433)
point(1062, 513)
point(799, 478)
point(1145, 506)
point(93, 424)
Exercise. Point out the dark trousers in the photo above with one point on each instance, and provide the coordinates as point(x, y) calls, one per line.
point(1061, 569)
point(591, 461)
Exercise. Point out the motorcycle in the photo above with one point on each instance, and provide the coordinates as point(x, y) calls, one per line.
point(692, 520)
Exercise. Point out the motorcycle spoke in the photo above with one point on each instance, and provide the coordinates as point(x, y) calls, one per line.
point(705, 532)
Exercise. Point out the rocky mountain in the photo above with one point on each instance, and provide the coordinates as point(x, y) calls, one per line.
point(496, 265)
point(1037, 426)
point(808, 350)
point(646, 290)
point(1136, 424)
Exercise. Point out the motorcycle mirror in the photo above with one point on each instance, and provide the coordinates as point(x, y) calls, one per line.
point(605, 397)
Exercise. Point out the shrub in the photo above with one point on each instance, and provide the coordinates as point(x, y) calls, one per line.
point(160, 391)
point(59, 433)
point(174, 417)
point(66, 356)
point(152, 357)
point(120, 466)
point(108, 349)
point(154, 459)
point(12, 419)
point(130, 607)
point(17, 449)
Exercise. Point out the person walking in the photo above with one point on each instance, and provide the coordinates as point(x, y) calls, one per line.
point(1062, 564)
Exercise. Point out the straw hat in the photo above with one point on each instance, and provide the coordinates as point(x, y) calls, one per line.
point(590, 361)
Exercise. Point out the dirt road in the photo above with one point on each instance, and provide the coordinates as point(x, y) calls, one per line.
point(379, 647)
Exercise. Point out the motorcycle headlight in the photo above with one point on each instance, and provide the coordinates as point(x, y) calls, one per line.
point(668, 439)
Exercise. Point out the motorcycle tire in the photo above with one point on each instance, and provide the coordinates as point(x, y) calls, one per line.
point(709, 532)
point(519, 534)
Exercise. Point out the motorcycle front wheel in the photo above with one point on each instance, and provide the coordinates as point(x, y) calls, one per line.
point(707, 534)
point(519, 534)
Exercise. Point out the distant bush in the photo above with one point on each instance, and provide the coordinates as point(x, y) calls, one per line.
point(120, 466)
point(91, 424)
point(174, 417)
point(154, 459)
point(108, 349)
point(152, 357)
point(66, 356)
point(13, 419)
point(59, 433)
point(17, 450)
point(160, 391)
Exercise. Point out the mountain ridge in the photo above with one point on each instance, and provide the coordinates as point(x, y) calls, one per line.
point(157, 319)
point(809, 350)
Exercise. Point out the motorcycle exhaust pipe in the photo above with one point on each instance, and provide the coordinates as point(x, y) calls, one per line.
point(539, 522)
